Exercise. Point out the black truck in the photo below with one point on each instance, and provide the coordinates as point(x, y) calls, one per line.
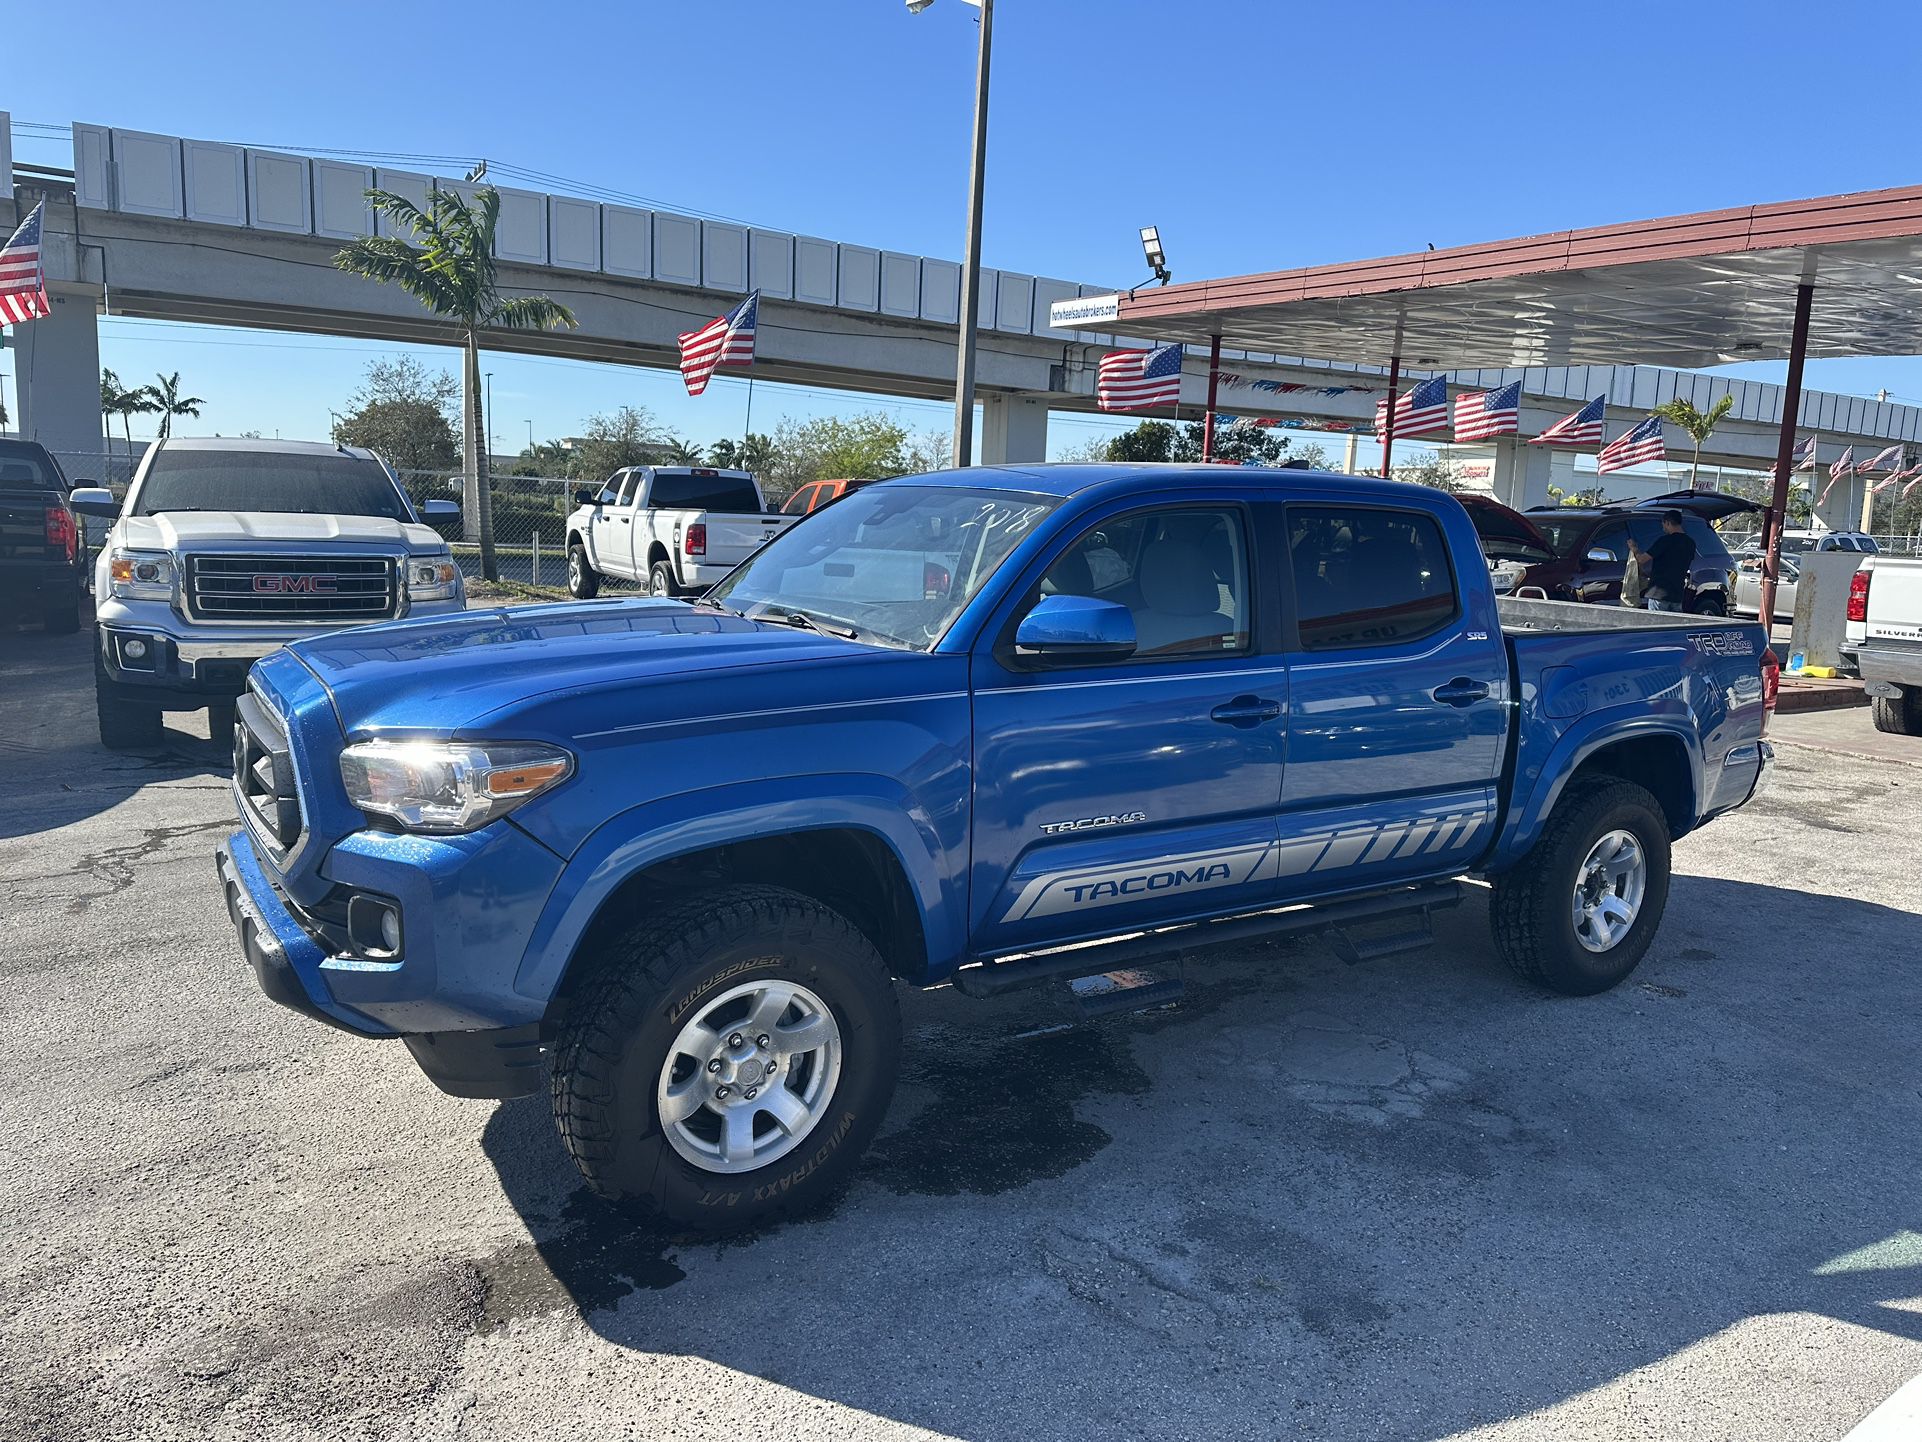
point(42, 563)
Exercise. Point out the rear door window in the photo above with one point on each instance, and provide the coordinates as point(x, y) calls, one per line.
point(802, 501)
point(1368, 577)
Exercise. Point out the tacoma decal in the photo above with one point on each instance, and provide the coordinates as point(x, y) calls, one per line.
point(1084, 888)
point(1123, 818)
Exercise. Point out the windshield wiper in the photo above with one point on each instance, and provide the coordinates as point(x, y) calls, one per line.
point(805, 622)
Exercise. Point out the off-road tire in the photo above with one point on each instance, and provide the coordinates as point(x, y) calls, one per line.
point(1897, 715)
point(660, 580)
point(62, 620)
point(124, 725)
point(1530, 912)
point(583, 581)
point(650, 980)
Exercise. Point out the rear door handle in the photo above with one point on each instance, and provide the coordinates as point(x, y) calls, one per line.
point(1461, 692)
point(1245, 711)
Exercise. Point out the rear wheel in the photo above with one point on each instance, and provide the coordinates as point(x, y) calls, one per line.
point(583, 581)
point(61, 620)
point(1711, 603)
point(1578, 912)
point(1898, 715)
point(729, 1060)
point(660, 579)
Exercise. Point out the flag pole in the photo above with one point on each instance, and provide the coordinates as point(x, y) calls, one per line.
point(747, 426)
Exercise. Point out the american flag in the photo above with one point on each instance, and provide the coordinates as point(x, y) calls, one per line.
point(1889, 458)
point(1637, 447)
point(727, 340)
point(1804, 458)
point(1895, 465)
point(1481, 414)
point(1844, 465)
point(1421, 411)
point(23, 284)
point(1133, 380)
point(1914, 478)
point(1584, 428)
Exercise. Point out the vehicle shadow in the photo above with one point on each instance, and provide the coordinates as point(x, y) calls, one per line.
point(1399, 1200)
point(53, 769)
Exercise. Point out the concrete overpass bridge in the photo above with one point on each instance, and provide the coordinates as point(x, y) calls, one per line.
point(169, 228)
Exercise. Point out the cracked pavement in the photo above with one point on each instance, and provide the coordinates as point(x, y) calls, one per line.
point(1408, 1200)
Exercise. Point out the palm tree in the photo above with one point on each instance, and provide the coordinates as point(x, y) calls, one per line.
point(678, 452)
point(452, 273)
point(1698, 424)
point(166, 399)
point(756, 454)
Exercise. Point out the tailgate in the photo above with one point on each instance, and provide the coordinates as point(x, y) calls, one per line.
point(23, 526)
point(1895, 600)
point(734, 538)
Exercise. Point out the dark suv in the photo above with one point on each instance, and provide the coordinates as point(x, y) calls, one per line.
point(41, 561)
point(1578, 553)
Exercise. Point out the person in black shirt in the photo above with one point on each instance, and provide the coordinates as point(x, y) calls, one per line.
point(1665, 565)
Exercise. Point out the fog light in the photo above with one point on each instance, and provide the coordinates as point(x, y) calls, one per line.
point(134, 649)
point(373, 927)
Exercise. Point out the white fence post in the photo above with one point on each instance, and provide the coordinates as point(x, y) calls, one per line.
point(537, 558)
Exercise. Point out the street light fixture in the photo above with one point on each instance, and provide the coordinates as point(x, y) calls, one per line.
point(1157, 258)
point(971, 264)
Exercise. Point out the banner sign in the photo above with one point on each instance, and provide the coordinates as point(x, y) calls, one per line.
point(1079, 314)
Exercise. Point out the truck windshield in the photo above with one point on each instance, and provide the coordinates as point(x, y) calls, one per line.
point(893, 565)
point(309, 483)
point(704, 493)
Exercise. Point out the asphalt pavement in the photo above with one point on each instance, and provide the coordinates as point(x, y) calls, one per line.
point(1412, 1199)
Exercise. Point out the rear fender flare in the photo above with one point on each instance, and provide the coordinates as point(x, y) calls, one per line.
point(1582, 741)
point(647, 835)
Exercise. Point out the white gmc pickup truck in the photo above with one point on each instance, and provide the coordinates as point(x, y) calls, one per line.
point(227, 549)
point(676, 529)
point(1884, 637)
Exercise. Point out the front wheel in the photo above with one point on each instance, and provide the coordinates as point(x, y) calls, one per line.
point(1578, 912)
point(583, 581)
point(124, 725)
point(729, 1060)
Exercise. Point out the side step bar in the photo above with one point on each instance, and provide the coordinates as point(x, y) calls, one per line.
point(1412, 903)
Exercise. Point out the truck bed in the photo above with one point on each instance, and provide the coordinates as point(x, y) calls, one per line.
point(1525, 616)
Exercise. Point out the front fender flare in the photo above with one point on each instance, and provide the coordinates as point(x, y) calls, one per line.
point(658, 831)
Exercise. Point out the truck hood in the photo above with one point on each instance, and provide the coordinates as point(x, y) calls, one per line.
point(247, 530)
point(440, 674)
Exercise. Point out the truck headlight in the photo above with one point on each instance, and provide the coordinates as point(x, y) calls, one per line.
point(432, 578)
point(449, 786)
point(141, 575)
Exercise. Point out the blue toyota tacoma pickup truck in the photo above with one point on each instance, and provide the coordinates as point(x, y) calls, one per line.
point(669, 860)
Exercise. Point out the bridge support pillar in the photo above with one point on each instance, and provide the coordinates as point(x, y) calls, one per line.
point(56, 369)
point(1013, 429)
point(1521, 473)
point(1842, 511)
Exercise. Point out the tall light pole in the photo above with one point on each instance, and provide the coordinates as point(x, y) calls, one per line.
point(971, 263)
point(490, 413)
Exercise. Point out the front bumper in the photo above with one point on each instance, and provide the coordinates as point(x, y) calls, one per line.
point(193, 663)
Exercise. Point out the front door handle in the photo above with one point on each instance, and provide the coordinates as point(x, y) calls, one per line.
point(1461, 692)
point(1245, 711)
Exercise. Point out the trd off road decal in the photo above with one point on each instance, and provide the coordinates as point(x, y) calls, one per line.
point(1331, 850)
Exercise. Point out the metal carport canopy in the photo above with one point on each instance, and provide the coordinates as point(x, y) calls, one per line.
point(1688, 290)
point(1837, 276)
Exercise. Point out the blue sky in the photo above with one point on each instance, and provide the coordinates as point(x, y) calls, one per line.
point(1255, 134)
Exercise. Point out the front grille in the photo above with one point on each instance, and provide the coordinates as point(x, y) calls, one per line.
point(264, 775)
point(299, 589)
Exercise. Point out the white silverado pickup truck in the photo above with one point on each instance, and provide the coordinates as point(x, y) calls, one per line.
point(1884, 638)
point(226, 550)
point(676, 529)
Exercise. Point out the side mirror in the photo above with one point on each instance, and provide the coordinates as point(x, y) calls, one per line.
point(1076, 628)
point(437, 510)
point(584, 497)
point(1596, 553)
point(94, 501)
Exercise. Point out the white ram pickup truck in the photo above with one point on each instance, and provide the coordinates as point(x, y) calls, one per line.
point(675, 529)
point(1884, 638)
point(226, 550)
